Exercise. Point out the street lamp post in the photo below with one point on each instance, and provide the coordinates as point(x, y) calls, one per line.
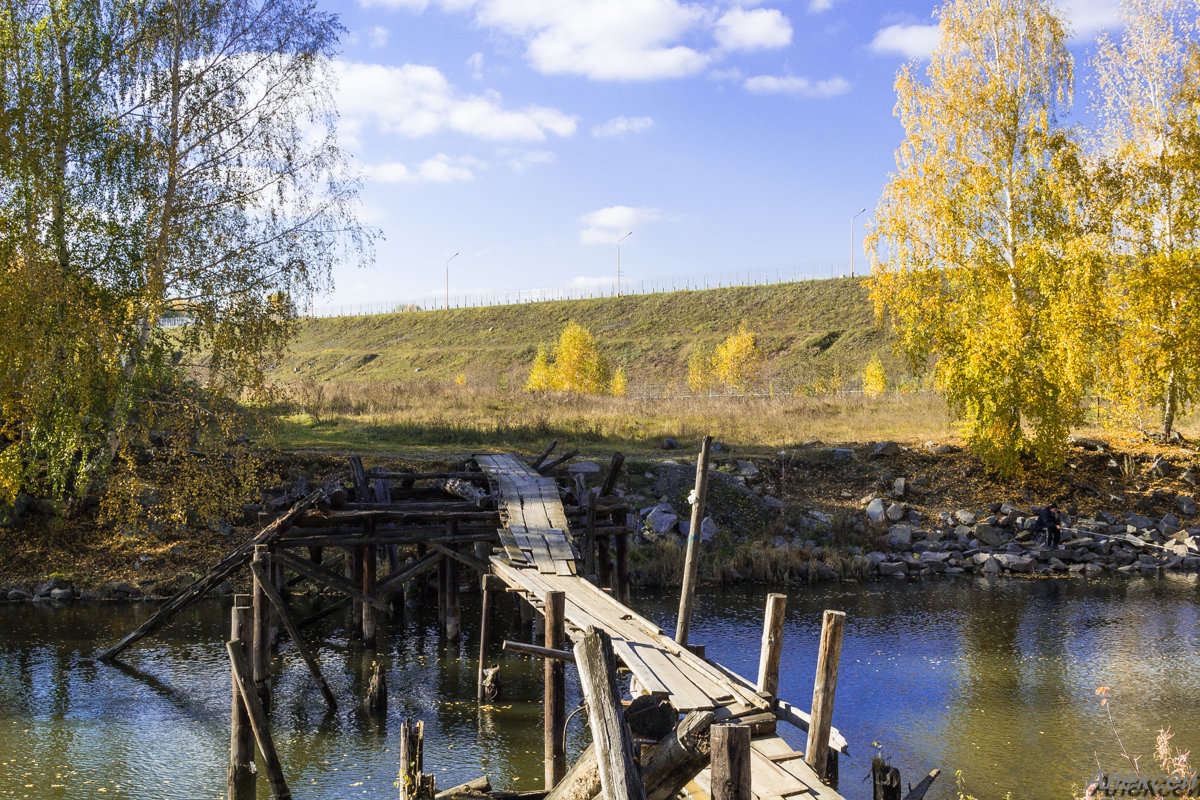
point(856, 216)
point(448, 260)
point(623, 238)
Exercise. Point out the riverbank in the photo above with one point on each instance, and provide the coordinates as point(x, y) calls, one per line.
point(847, 511)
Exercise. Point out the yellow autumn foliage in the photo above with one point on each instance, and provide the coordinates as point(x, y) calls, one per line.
point(575, 366)
point(874, 378)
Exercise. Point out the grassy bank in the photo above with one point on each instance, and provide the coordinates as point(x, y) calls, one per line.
point(809, 332)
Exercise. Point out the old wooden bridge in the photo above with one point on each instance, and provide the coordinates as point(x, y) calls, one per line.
point(507, 519)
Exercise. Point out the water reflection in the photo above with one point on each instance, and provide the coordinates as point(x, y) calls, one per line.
point(988, 677)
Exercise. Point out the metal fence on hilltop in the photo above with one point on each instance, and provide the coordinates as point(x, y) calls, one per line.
point(632, 285)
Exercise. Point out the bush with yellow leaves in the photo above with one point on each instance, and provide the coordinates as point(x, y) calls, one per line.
point(874, 379)
point(733, 366)
point(576, 365)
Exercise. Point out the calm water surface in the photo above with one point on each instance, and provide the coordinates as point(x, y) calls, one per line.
point(996, 679)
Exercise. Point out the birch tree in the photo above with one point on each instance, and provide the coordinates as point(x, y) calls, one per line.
point(161, 154)
point(975, 258)
point(1146, 144)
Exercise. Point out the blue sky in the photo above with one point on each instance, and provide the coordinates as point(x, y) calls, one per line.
point(528, 136)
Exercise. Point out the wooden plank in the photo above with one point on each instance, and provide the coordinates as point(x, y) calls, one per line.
point(771, 779)
point(645, 676)
point(685, 695)
point(619, 776)
point(511, 548)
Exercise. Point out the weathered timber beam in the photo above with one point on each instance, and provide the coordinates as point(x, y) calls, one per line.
point(224, 568)
point(610, 477)
point(414, 507)
point(258, 718)
point(433, 476)
point(324, 518)
point(535, 650)
point(546, 468)
point(282, 610)
point(537, 462)
point(334, 581)
point(918, 792)
point(619, 776)
point(477, 786)
point(470, 561)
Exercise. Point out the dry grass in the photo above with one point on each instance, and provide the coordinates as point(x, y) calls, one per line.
point(379, 417)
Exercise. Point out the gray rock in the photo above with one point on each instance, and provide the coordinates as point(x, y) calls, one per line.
point(1188, 477)
point(991, 566)
point(895, 512)
point(876, 511)
point(1140, 522)
point(901, 534)
point(62, 594)
point(1095, 445)
point(662, 520)
point(44, 589)
point(121, 588)
point(747, 469)
point(893, 568)
point(19, 594)
point(965, 517)
point(842, 454)
point(669, 444)
point(886, 449)
point(1187, 505)
point(1092, 568)
point(989, 535)
point(773, 503)
point(899, 486)
point(1015, 563)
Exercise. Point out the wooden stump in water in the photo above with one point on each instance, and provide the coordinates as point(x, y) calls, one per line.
point(885, 780)
point(414, 783)
point(376, 699)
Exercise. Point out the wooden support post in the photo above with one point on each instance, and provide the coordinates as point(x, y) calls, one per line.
point(730, 762)
point(688, 591)
point(619, 776)
point(589, 537)
point(537, 462)
point(354, 578)
point(376, 700)
point(824, 687)
point(678, 756)
point(885, 780)
point(603, 561)
point(258, 718)
point(260, 640)
point(489, 585)
point(555, 706)
point(443, 580)
point(609, 484)
point(241, 735)
point(772, 647)
point(294, 632)
point(622, 549)
point(453, 607)
point(370, 566)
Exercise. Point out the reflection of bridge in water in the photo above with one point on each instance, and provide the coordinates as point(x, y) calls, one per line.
point(454, 519)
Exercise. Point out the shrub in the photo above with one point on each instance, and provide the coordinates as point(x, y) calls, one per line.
point(874, 379)
point(577, 365)
point(736, 362)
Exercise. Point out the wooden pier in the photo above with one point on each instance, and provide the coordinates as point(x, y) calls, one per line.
point(507, 520)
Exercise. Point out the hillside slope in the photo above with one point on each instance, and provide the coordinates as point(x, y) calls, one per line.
point(808, 331)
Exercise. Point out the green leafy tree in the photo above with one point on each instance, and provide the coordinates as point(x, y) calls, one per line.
point(976, 258)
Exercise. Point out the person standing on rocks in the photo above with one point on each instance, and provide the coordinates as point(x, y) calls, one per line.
point(1049, 522)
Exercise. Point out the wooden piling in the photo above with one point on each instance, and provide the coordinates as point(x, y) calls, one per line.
point(241, 735)
point(370, 566)
point(730, 762)
point(622, 554)
point(824, 688)
point(414, 783)
point(260, 638)
point(619, 775)
point(603, 561)
point(375, 702)
point(453, 606)
point(443, 581)
point(772, 647)
point(353, 571)
point(885, 780)
point(691, 560)
point(258, 718)
point(489, 585)
point(555, 709)
point(281, 610)
point(589, 537)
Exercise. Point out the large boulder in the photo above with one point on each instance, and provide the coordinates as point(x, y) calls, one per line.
point(989, 535)
point(886, 449)
point(662, 520)
point(964, 517)
point(876, 511)
point(895, 512)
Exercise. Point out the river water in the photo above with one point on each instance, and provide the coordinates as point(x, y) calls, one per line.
point(996, 678)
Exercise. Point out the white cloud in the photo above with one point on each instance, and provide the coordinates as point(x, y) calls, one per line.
point(414, 101)
point(617, 40)
point(379, 37)
point(817, 6)
point(1089, 17)
point(475, 64)
point(523, 161)
point(910, 41)
point(439, 169)
point(756, 29)
point(608, 225)
point(794, 84)
point(622, 126)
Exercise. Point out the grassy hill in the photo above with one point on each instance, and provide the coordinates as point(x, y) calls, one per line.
point(808, 332)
